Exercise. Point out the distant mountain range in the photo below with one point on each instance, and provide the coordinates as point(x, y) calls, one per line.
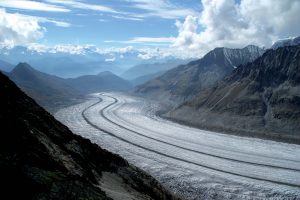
point(42, 159)
point(48, 90)
point(53, 92)
point(58, 62)
point(261, 98)
point(183, 82)
point(71, 61)
point(104, 81)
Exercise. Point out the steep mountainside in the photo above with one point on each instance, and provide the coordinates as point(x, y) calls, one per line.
point(104, 81)
point(143, 79)
point(261, 98)
point(183, 82)
point(148, 69)
point(49, 91)
point(41, 159)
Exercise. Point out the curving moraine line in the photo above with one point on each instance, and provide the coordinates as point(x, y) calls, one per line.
point(188, 149)
point(173, 157)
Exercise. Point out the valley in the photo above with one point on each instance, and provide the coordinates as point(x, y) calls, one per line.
point(150, 100)
point(190, 162)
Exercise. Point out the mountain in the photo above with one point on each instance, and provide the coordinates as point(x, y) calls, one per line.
point(104, 81)
point(68, 66)
point(143, 70)
point(261, 99)
point(42, 159)
point(184, 81)
point(70, 61)
point(143, 79)
point(286, 42)
point(50, 91)
point(5, 66)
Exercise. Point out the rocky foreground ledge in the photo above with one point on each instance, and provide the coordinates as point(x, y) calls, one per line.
point(42, 159)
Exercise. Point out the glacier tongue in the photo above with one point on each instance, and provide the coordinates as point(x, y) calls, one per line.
point(193, 163)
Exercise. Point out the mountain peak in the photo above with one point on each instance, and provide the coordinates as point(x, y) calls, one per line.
point(106, 73)
point(286, 42)
point(22, 67)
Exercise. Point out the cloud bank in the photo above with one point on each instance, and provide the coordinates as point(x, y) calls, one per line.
point(17, 29)
point(32, 5)
point(225, 23)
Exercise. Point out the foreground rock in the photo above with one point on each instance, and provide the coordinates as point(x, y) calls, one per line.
point(261, 99)
point(41, 159)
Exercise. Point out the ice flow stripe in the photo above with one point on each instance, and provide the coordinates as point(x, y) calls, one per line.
point(166, 155)
point(188, 149)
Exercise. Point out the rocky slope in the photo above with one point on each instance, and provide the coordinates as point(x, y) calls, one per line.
point(143, 79)
point(49, 91)
point(261, 98)
point(41, 159)
point(183, 82)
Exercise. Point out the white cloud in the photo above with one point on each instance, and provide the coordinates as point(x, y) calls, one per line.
point(55, 22)
point(81, 5)
point(112, 50)
point(225, 23)
point(127, 18)
point(188, 36)
point(146, 40)
point(16, 29)
point(152, 40)
point(163, 53)
point(110, 59)
point(62, 48)
point(161, 8)
point(32, 5)
point(112, 53)
point(19, 29)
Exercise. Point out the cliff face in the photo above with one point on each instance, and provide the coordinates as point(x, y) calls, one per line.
point(41, 159)
point(260, 98)
point(184, 82)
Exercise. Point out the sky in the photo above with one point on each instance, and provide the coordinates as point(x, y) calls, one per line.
point(187, 28)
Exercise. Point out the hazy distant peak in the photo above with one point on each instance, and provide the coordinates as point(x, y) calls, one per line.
point(22, 67)
point(286, 42)
point(106, 73)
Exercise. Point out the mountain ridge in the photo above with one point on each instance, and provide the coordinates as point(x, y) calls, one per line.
point(53, 92)
point(261, 98)
point(181, 83)
point(50, 91)
point(141, 70)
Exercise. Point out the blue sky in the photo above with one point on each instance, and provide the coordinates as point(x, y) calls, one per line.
point(183, 28)
point(115, 25)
